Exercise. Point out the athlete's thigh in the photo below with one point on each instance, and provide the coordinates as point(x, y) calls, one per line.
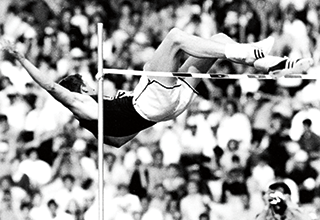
point(165, 59)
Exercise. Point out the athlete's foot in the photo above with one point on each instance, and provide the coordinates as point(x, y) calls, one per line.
point(281, 66)
point(265, 44)
point(249, 53)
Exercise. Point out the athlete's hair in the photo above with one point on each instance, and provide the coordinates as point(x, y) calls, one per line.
point(281, 185)
point(72, 82)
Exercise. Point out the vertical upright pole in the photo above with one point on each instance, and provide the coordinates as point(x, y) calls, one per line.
point(100, 123)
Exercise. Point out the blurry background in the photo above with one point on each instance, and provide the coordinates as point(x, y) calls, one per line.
point(214, 162)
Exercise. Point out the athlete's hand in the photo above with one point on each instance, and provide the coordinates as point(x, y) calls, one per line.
point(6, 45)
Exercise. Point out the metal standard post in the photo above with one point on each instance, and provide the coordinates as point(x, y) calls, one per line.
point(100, 123)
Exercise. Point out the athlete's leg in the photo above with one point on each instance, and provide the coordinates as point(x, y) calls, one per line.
point(168, 55)
point(202, 65)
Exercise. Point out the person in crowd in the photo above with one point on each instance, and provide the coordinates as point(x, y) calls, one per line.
point(279, 205)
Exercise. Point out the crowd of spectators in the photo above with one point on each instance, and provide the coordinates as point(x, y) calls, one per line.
point(215, 161)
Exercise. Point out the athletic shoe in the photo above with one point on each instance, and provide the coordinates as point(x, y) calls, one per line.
point(265, 45)
point(249, 53)
point(260, 50)
point(282, 66)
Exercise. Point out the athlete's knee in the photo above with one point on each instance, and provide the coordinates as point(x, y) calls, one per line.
point(218, 36)
point(222, 38)
point(175, 37)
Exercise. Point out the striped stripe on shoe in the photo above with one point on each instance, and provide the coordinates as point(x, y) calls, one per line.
point(258, 53)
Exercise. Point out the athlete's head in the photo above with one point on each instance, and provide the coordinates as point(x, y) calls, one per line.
point(75, 83)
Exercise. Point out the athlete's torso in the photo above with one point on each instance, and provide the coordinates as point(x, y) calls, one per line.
point(120, 118)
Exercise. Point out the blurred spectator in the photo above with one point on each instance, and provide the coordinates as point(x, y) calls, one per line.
point(308, 110)
point(228, 160)
point(5, 163)
point(69, 192)
point(136, 152)
point(79, 65)
point(279, 204)
point(54, 43)
point(36, 169)
point(115, 171)
point(48, 66)
point(193, 203)
point(73, 32)
point(298, 31)
point(7, 210)
point(173, 210)
point(125, 203)
point(159, 198)
point(170, 143)
point(12, 194)
point(21, 179)
point(147, 212)
point(174, 182)
point(215, 115)
point(261, 118)
point(203, 115)
point(138, 182)
point(89, 162)
point(309, 141)
point(202, 176)
point(25, 208)
point(80, 19)
point(73, 208)
point(304, 175)
point(56, 213)
point(44, 128)
point(141, 50)
point(185, 11)
point(14, 107)
point(156, 171)
point(317, 201)
point(125, 20)
point(261, 175)
point(234, 190)
point(191, 143)
point(165, 20)
point(39, 209)
point(234, 125)
point(196, 25)
point(67, 162)
point(273, 145)
point(284, 43)
point(249, 22)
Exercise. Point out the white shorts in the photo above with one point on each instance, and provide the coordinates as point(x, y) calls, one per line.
point(156, 102)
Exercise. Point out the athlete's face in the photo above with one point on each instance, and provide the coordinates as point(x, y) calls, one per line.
point(86, 89)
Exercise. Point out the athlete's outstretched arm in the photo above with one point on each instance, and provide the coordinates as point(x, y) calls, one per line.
point(73, 101)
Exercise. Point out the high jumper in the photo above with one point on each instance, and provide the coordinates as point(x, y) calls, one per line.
point(156, 98)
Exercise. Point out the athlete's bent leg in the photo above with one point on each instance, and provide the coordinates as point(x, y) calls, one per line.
point(203, 65)
point(168, 55)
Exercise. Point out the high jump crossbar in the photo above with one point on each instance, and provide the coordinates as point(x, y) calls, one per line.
point(205, 75)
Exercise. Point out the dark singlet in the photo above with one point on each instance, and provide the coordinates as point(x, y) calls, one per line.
point(120, 119)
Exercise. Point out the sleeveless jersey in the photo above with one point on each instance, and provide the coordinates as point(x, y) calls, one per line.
point(120, 118)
